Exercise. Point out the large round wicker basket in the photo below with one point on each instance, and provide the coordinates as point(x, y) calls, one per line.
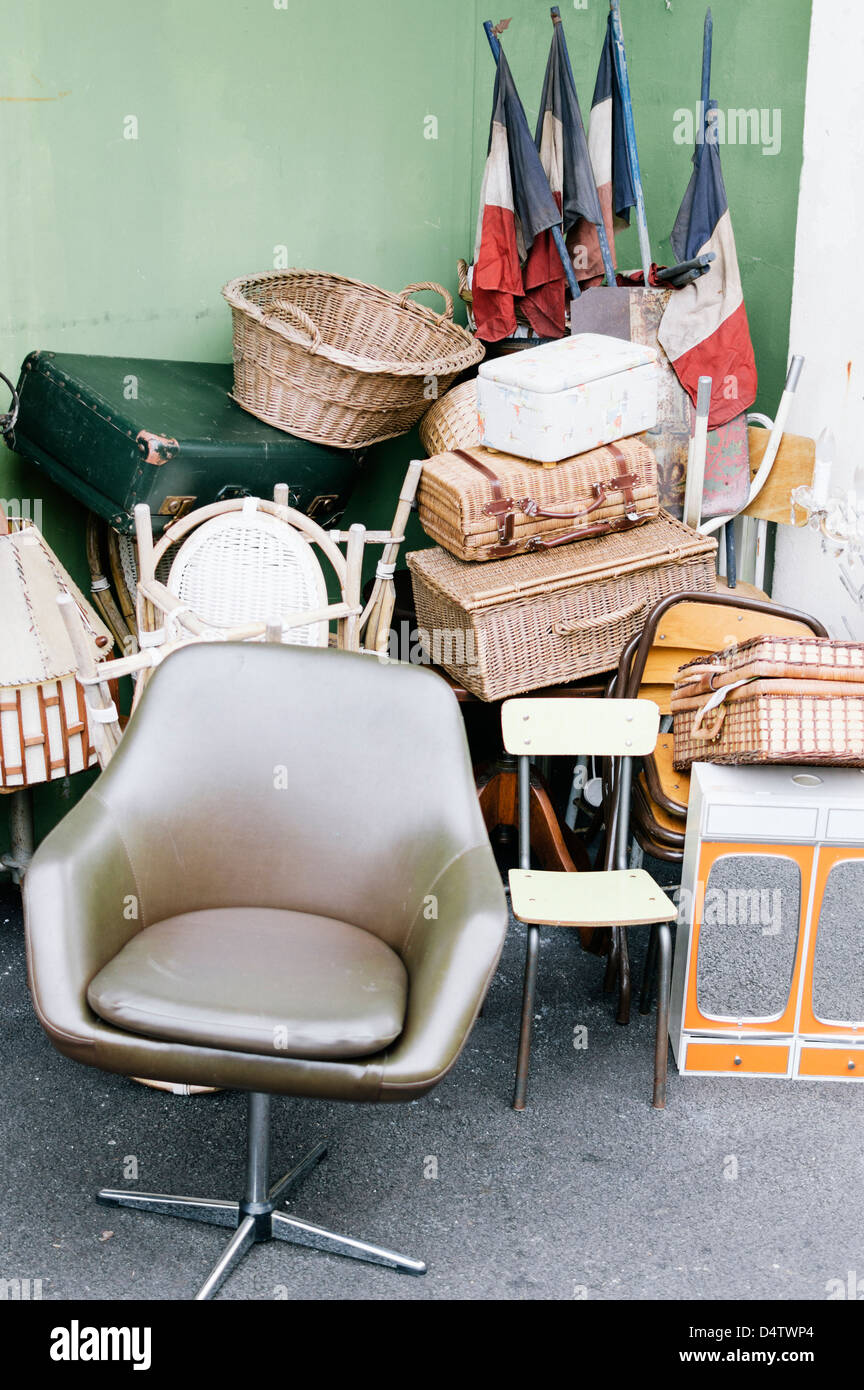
point(339, 362)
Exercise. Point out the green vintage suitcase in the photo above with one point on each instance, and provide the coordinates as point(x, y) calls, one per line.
point(116, 431)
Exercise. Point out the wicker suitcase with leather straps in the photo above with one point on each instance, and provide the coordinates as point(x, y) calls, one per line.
point(483, 505)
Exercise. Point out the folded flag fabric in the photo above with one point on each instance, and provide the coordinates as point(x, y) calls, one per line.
point(704, 331)
point(515, 260)
point(607, 148)
point(560, 138)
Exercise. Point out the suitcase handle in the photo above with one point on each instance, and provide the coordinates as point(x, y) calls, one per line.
point(436, 289)
point(632, 610)
point(7, 421)
point(625, 483)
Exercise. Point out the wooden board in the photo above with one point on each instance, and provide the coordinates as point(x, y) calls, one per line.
point(792, 467)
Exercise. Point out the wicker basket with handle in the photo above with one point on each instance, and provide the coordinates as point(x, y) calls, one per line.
point(340, 362)
point(772, 700)
point(519, 624)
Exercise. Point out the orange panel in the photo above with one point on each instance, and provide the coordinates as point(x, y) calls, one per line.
point(694, 1019)
point(832, 1061)
point(827, 860)
point(750, 1059)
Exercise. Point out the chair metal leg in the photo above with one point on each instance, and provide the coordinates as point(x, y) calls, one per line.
point(296, 1174)
point(209, 1210)
point(612, 960)
point(528, 991)
point(664, 985)
point(648, 973)
point(242, 1240)
point(317, 1238)
point(624, 982)
point(254, 1217)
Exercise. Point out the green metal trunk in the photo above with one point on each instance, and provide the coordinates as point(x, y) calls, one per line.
point(116, 431)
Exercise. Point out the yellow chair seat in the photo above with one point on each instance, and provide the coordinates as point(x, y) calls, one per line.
point(612, 898)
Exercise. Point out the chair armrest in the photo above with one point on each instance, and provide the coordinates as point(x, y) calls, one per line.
point(451, 955)
point(81, 906)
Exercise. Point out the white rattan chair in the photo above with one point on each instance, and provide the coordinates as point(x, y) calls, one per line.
point(245, 570)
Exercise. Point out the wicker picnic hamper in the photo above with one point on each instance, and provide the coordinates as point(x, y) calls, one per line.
point(484, 505)
point(772, 700)
point(452, 422)
point(543, 619)
point(337, 361)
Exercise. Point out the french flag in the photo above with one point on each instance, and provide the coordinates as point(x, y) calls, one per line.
point(607, 147)
point(560, 138)
point(704, 331)
point(515, 260)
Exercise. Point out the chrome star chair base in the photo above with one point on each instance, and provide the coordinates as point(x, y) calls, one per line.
point(255, 1218)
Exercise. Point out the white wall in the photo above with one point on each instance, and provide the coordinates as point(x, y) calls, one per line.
point(827, 323)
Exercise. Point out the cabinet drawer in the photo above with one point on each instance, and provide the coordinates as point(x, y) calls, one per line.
point(750, 1059)
point(753, 821)
point(845, 1062)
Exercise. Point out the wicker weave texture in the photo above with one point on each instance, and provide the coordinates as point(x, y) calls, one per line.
point(803, 703)
point(516, 625)
point(236, 569)
point(775, 726)
point(453, 496)
point(789, 658)
point(452, 422)
point(337, 361)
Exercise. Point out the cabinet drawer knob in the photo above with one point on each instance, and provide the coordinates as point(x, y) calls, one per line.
point(851, 1065)
point(738, 1061)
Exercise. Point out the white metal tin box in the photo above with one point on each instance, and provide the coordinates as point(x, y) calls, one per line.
point(551, 402)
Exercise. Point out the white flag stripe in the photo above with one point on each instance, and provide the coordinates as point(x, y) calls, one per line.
point(497, 189)
point(600, 141)
point(698, 310)
point(552, 151)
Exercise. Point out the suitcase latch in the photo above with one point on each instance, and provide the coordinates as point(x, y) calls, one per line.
point(156, 448)
point(176, 506)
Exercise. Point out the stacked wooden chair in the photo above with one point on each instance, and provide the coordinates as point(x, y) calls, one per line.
point(678, 628)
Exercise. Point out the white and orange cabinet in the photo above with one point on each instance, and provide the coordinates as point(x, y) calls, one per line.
point(768, 976)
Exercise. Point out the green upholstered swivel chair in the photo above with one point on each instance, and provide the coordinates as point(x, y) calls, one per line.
point(281, 883)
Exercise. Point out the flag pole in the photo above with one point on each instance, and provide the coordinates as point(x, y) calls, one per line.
point(557, 234)
point(600, 225)
point(630, 130)
point(707, 41)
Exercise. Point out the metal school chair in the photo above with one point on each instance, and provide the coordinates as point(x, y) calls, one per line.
point(612, 897)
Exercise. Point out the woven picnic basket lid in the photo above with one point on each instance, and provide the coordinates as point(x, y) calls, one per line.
point(35, 645)
point(471, 586)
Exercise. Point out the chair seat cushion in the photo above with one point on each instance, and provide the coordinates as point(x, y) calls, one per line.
point(262, 980)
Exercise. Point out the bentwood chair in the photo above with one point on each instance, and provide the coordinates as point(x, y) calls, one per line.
point(282, 884)
point(616, 896)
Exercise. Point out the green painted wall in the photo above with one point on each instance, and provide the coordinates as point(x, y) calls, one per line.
point(302, 125)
